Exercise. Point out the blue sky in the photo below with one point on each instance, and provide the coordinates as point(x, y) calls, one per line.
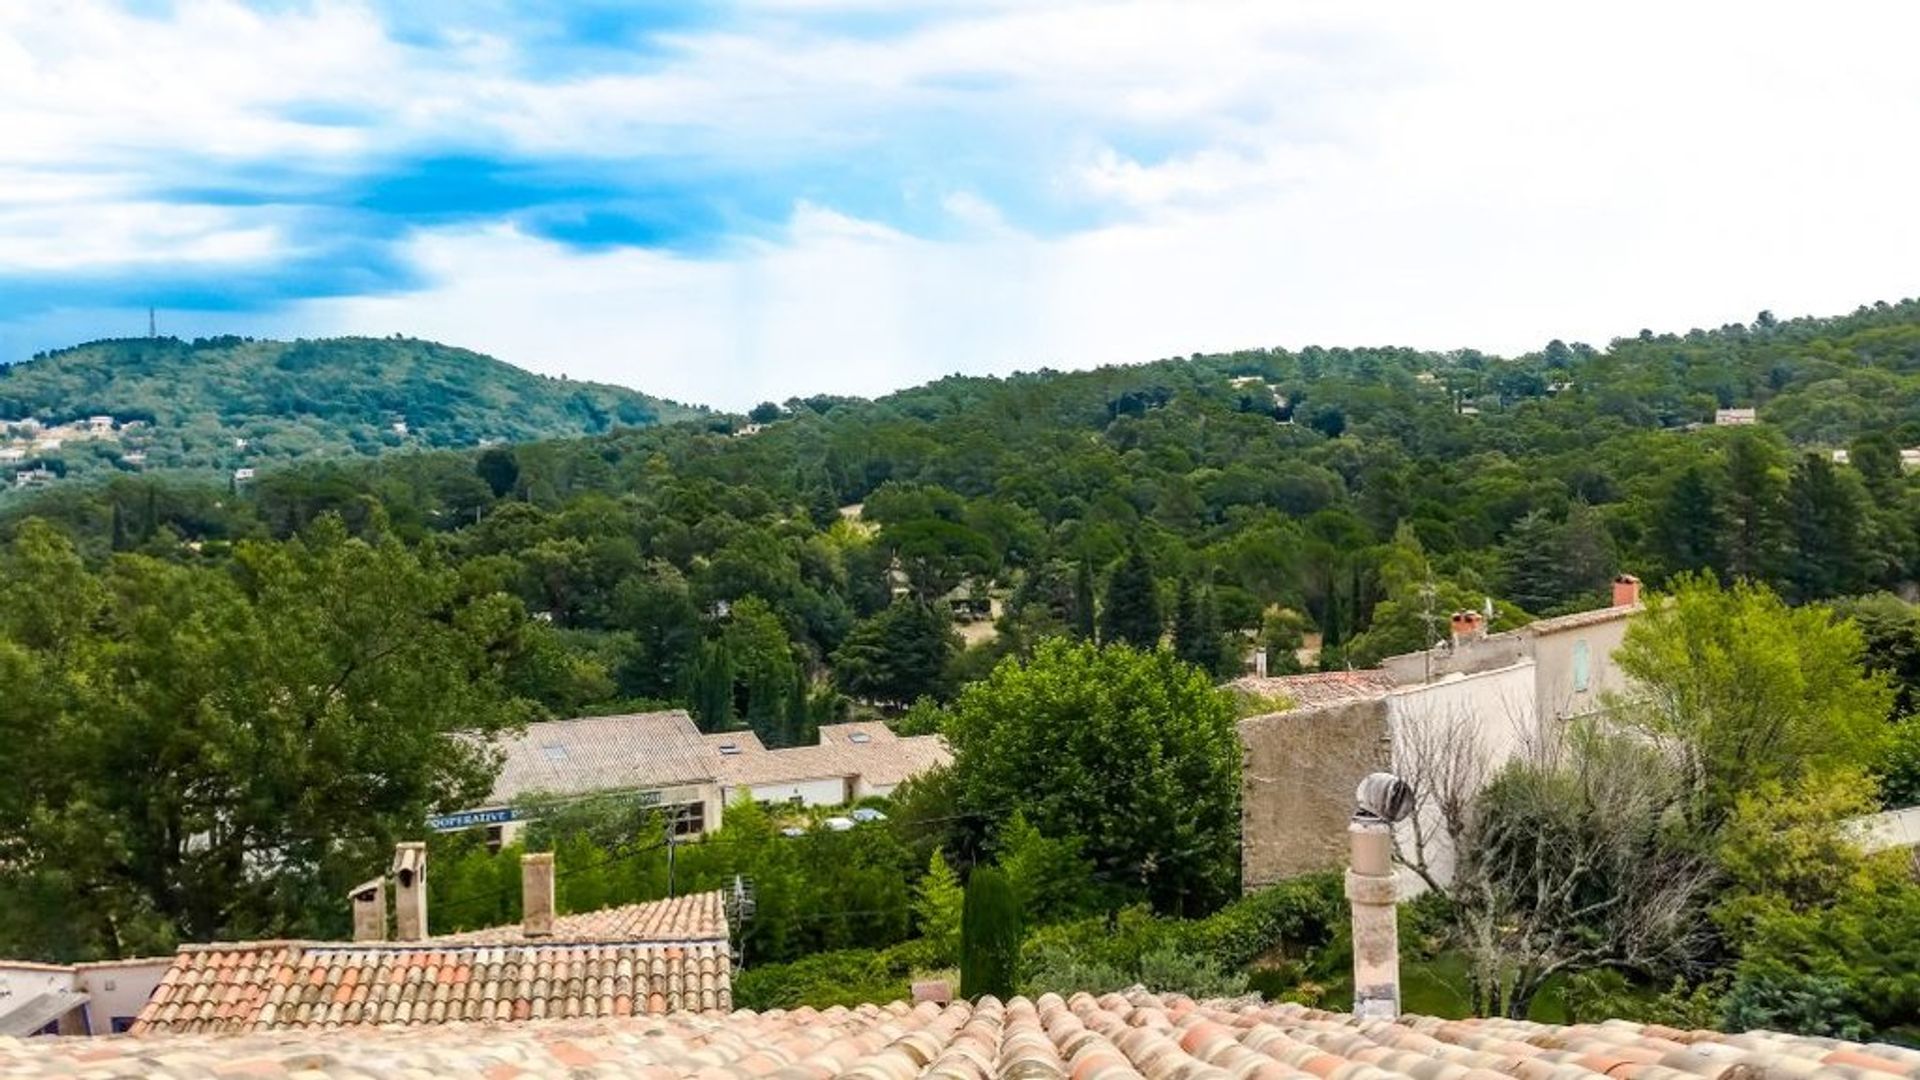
point(731, 202)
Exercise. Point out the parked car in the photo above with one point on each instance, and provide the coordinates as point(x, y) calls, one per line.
point(838, 824)
point(868, 813)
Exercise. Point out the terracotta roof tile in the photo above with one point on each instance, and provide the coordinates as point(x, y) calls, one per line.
point(1115, 1037)
point(1319, 688)
point(684, 918)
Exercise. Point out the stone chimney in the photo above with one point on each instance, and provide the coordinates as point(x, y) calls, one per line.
point(369, 910)
point(536, 894)
point(1626, 590)
point(1468, 626)
point(410, 891)
point(1373, 894)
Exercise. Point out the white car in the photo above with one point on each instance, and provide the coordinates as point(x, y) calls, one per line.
point(838, 824)
point(793, 830)
point(868, 813)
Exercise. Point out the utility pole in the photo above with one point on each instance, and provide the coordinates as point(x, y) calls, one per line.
point(670, 847)
point(153, 327)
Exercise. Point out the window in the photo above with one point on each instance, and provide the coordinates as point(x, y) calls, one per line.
point(859, 736)
point(689, 819)
point(729, 749)
point(121, 1024)
point(1582, 663)
point(554, 752)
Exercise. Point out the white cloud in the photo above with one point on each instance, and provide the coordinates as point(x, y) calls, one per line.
point(1235, 174)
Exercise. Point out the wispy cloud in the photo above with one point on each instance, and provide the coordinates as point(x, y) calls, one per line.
point(775, 196)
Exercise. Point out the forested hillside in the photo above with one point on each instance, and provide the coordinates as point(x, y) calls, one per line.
point(226, 403)
point(1264, 495)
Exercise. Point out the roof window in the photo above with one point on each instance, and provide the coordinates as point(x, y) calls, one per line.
point(859, 736)
point(554, 752)
point(729, 749)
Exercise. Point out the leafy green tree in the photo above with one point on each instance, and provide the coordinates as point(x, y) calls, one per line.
point(204, 753)
point(1744, 689)
point(1136, 751)
point(764, 670)
point(497, 467)
point(899, 655)
point(938, 902)
point(1051, 876)
point(989, 937)
point(1131, 612)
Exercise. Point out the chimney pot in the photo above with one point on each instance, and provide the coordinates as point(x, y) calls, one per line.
point(369, 900)
point(1626, 590)
point(1468, 626)
point(410, 891)
point(536, 894)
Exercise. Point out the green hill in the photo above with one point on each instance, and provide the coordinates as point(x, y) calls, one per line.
point(227, 403)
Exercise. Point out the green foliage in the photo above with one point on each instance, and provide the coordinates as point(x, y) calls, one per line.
point(1294, 929)
point(989, 936)
point(290, 400)
point(1745, 689)
point(848, 977)
point(937, 905)
point(1135, 751)
point(1130, 613)
point(1051, 877)
point(173, 731)
point(899, 655)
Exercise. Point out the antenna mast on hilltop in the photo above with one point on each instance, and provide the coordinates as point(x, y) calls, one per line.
point(153, 328)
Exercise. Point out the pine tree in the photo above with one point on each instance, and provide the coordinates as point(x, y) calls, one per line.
point(1196, 629)
point(1083, 602)
point(1690, 524)
point(1831, 553)
point(1755, 507)
point(989, 936)
point(1131, 613)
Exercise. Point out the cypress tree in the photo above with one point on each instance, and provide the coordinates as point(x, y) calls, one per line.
point(1132, 611)
point(710, 690)
point(1083, 602)
point(989, 936)
point(1196, 629)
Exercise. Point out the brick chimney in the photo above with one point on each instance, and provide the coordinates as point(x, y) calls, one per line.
point(369, 910)
point(1626, 590)
point(536, 894)
point(1468, 626)
point(410, 891)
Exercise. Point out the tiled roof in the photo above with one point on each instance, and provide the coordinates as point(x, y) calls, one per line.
point(882, 762)
point(746, 742)
point(603, 753)
point(1578, 619)
point(271, 985)
point(856, 733)
point(698, 916)
point(1116, 1037)
point(1319, 688)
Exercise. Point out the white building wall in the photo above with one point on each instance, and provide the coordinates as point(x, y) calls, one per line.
point(1483, 721)
point(1570, 685)
point(22, 980)
point(829, 791)
point(118, 988)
